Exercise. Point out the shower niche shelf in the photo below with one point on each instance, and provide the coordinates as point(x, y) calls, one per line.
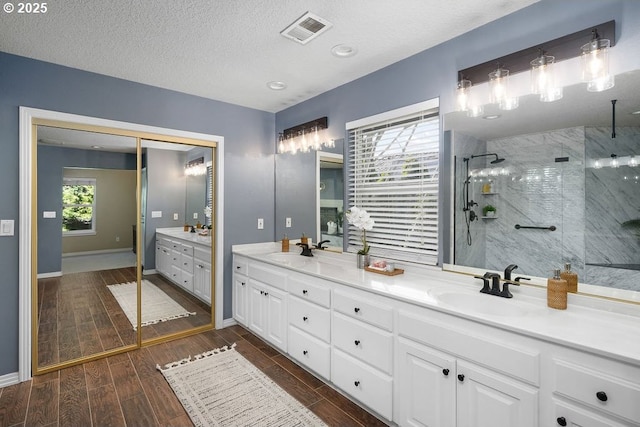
point(489, 217)
point(491, 193)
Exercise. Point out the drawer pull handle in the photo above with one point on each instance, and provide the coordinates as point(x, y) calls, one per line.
point(445, 372)
point(261, 292)
point(356, 383)
point(304, 318)
point(304, 291)
point(562, 421)
point(356, 309)
point(242, 283)
point(460, 377)
point(266, 293)
point(357, 342)
point(305, 352)
point(237, 267)
point(602, 396)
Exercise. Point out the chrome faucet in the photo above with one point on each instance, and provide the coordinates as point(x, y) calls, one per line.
point(306, 250)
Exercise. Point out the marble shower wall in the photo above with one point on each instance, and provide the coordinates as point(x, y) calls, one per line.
point(613, 198)
point(548, 179)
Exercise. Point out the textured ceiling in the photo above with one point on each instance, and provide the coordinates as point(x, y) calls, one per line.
point(229, 50)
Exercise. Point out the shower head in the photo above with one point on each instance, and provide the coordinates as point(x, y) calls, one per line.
point(493, 162)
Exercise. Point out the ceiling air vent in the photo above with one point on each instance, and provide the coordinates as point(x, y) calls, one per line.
point(306, 28)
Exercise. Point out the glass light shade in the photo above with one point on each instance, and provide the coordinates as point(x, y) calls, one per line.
point(509, 103)
point(475, 111)
point(632, 162)
point(595, 65)
point(499, 85)
point(462, 95)
point(543, 79)
point(614, 162)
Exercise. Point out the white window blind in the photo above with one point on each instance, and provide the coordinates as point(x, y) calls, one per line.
point(393, 175)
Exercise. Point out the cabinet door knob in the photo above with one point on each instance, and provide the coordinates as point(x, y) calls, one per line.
point(304, 291)
point(266, 293)
point(261, 292)
point(242, 283)
point(357, 342)
point(562, 421)
point(445, 372)
point(602, 396)
point(356, 309)
point(356, 383)
point(304, 318)
point(305, 352)
point(460, 377)
point(237, 267)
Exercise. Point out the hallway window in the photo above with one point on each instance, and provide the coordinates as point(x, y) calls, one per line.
point(78, 206)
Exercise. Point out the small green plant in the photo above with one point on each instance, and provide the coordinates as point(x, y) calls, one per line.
point(487, 209)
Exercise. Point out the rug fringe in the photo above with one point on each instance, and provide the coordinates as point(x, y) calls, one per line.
point(189, 359)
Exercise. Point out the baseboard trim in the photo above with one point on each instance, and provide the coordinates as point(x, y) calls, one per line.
point(149, 272)
point(228, 322)
point(50, 274)
point(98, 252)
point(9, 379)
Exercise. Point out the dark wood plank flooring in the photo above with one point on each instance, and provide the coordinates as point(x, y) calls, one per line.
point(78, 316)
point(127, 390)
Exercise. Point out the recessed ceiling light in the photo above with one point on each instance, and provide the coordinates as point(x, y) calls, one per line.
point(275, 85)
point(491, 117)
point(344, 51)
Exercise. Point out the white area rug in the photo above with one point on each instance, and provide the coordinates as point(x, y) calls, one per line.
point(222, 388)
point(156, 305)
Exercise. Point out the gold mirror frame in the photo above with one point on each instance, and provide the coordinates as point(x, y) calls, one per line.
point(31, 119)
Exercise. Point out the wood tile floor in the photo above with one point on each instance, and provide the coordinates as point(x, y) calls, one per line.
point(127, 390)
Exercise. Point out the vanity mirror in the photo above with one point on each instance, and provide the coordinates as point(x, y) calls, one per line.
point(564, 181)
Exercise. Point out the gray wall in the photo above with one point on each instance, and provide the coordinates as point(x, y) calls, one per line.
point(51, 162)
point(433, 73)
point(249, 145)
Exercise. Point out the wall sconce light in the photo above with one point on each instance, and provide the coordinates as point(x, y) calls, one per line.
point(465, 100)
point(195, 167)
point(595, 64)
point(595, 59)
point(543, 78)
point(305, 137)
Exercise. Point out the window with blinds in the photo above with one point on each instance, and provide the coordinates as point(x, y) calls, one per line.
point(393, 175)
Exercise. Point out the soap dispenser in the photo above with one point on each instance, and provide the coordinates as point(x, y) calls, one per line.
point(557, 291)
point(571, 277)
point(285, 244)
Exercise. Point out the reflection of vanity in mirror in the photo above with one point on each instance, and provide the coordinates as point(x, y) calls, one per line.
point(93, 250)
point(564, 181)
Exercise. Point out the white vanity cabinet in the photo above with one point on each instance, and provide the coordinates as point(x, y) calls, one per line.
point(240, 291)
point(310, 323)
point(267, 302)
point(185, 263)
point(448, 374)
point(592, 391)
point(362, 355)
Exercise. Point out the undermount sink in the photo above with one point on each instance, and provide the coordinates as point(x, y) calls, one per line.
point(485, 304)
point(288, 258)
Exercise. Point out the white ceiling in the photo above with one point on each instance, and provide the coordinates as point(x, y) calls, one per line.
point(229, 50)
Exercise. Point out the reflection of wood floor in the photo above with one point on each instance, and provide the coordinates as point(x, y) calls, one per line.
point(78, 315)
point(127, 390)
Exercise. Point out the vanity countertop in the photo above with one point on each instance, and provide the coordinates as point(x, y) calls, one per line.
point(590, 324)
point(179, 233)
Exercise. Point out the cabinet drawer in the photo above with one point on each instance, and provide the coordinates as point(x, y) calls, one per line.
point(187, 263)
point(366, 309)
point(571, 416)
point(164, 241)
point(311, 352)
point(315, 292)
point(362, 382)
point(186, 281)
point(176, 259)
point(269, 275)
point(599, 390)
point(173, 245)
point(369, 344)
point(202, 254)
point(311, 318)
point(240, 265)
point(186, 250)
